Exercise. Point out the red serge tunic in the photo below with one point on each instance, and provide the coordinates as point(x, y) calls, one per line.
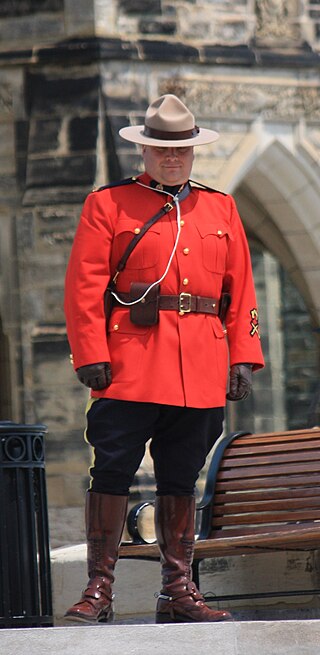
point(184, 359)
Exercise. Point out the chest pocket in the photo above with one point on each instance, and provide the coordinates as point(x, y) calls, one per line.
point(214, 246)
point(146, 253)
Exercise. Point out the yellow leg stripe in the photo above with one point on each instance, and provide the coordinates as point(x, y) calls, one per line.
point(88, 407)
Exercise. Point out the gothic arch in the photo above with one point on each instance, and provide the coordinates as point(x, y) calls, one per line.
point(279, 198)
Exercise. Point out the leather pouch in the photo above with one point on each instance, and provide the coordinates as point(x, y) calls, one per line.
point(145, 312)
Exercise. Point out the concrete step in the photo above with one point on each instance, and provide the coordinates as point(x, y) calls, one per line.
point(234, 638)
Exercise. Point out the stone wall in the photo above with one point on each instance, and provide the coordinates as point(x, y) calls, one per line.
point(71, 74)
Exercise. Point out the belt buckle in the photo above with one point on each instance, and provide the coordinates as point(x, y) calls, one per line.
point(184, 303)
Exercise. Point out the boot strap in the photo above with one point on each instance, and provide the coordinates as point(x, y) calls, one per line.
point(189, 590)
point(96, 589)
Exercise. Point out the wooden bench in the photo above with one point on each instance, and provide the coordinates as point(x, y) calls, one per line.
point(262, 494)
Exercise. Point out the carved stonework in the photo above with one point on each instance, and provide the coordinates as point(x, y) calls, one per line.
point(5, 98)
point(276, 21)
point(249, 100)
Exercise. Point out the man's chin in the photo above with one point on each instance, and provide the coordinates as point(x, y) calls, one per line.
point(173, 180)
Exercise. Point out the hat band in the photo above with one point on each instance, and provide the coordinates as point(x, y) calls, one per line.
point(170, 136)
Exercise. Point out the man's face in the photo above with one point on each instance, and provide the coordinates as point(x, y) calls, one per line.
point(169, 166)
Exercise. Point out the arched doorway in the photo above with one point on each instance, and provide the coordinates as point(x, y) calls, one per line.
point(278, 199)
point(285, 392)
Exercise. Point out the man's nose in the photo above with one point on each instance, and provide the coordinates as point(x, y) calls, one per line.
point(172, 152)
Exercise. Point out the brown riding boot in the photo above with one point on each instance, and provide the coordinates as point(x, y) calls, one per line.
point(105, 518)
point(179, 599)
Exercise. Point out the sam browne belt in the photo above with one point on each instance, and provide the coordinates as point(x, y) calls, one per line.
point(184, 303)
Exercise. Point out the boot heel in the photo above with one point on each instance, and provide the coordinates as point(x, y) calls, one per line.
point(163, 618)
point(108, 617)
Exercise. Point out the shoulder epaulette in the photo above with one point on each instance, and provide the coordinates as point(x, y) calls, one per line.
point(198, 185)
point(111, 185)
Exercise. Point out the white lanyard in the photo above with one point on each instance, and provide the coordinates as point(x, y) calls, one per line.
point(153, 284)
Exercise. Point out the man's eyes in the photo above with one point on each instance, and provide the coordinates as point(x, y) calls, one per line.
point(182, 150)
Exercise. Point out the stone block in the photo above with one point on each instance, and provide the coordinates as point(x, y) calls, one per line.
point(28, 29)
point(66, 525)
point(83, 132)
point(157, 27)
point(44, 135)
point(116, 123)
point(55, 96)
point(52, 220)
point(140, 6)
point(61, 171)
point(79, 16)
point(21, 141)
point(168, 51)
point(56, 195)
point(120, 102)
point(118, 49)
point(281, 58)
point(15, 8)
point(238, 55)
point(130, 164)
point(87, 50)
point(25, 231)
point(53, 303)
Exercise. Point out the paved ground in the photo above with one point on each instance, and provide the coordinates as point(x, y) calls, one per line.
point(234, 638)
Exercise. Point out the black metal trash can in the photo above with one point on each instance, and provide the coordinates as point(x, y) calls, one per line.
point(25, 577)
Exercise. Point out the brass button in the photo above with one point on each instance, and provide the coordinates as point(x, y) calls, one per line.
point(181, 313)
point(219, 232)
point(186, 251)
point(116, 326)
point(182, 223)
point(185, 281)
point(137, 230)
point(159, 187)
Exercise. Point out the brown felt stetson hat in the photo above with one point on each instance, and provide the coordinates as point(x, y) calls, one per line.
point(168, 122)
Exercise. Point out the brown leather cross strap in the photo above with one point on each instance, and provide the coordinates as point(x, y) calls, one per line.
point(184, 303)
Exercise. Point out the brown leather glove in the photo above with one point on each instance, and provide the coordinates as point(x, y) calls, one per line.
point(240, 383)
point(95, 376)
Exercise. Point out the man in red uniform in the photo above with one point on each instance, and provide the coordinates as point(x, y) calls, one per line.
point(160, 368)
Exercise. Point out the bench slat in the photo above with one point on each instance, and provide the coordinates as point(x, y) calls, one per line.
point(230, 507)
point(264, 495)
point(264, 483)
point(288, 537)
point(254, 459)
point(299, 530)
point(238, 450)
point(266, 517)
point(276, 437)
point(268, 471)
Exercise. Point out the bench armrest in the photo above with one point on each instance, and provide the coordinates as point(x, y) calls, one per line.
point(205, 504)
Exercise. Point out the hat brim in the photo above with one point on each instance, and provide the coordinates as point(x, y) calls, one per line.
point(135, 134)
